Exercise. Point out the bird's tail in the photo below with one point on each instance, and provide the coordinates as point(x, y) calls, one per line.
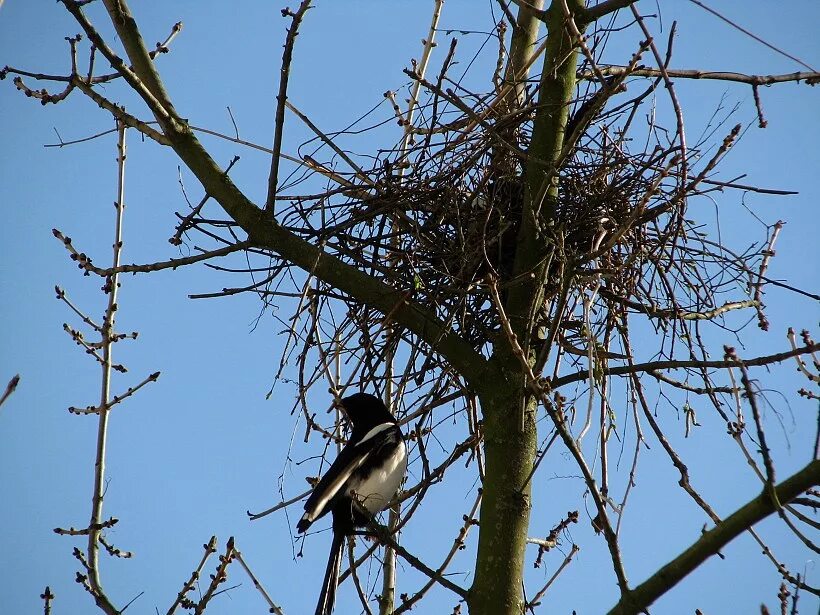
point(327, 598)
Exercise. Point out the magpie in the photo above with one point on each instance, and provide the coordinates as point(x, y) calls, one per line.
point(369, 468)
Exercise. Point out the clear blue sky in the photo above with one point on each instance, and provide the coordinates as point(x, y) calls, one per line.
point(191, 453)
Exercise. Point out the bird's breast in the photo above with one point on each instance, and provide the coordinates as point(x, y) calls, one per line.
point(375, 487)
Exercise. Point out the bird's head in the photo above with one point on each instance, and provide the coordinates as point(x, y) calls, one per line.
point(365, 411)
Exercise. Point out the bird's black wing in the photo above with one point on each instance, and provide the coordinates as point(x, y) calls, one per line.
point(350, 458)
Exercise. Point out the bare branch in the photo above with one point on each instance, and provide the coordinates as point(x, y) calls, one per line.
point(257, 584)
point(281, 99)
point(810, 78)
point(712, 541)
point(673, 364)
point(10, 388)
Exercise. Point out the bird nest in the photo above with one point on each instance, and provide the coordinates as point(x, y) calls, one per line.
point(445, 235)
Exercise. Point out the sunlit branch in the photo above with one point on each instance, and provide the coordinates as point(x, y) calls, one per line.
point(713, 540)
point(676, 364)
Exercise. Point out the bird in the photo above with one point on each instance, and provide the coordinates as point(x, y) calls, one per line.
point(369, 468)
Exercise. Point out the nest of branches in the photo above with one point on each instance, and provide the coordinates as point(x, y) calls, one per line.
point(441, 218)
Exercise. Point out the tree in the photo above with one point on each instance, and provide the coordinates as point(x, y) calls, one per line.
point(526, 256)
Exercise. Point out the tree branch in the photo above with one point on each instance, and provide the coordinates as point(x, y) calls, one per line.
point(711, 542)
point(281, 98)
point(10, 388)
point(266, 233)
point(811, 78)
point(658, 365)
point(602, 9)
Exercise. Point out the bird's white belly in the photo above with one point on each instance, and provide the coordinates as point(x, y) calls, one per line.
point(376, 491)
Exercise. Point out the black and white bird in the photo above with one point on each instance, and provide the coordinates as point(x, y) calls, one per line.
point(369, 468)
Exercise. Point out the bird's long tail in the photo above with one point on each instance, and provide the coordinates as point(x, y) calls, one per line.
point(327, 598)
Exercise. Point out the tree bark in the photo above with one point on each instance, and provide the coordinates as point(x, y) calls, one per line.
point(510, 435)
point(509, 454)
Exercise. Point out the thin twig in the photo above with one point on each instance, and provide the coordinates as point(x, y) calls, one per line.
point(10, 388)
point(257, 584)
point(281, 99)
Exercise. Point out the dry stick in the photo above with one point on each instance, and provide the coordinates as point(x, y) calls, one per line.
point(90, 349)
point(210, 549)
point(387, 598)
point(308, 162)
point(800, 364)
point(187, 222)
point(429, 43)
point(761, 121)
point(458, 543)
point(115, 552)
point(763, 322)
point(329, 142)
point(639, 440)
point(768, 464)
point(116, 398)
point(47, 597)
point(354, 574)
point(654, 312)
point(316, 333)
point(385, 538)
point(501, 34)
point(110, 522)
point(10, 387)
point(281, 100)
point(781, 569)
point(551, 541)
point(737, 430)
point(61, 295)
point(219, 577)
point(675, 364)
point(681, 467)
point(112, 286)
point(540, 594)
point(120, 114)
point(280, 506)
point(750, 34)
point(736, 186)
point(86, 263)
point(163, 46)
point(257, 584)
point(688, 387)
point(154, 96)
point(672, 96)
point(603, 415)
point(810, 78)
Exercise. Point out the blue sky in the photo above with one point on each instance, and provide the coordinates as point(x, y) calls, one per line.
point(192, 452)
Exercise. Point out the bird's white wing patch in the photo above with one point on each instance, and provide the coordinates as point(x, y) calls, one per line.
point(374, 432)
point(332, 489)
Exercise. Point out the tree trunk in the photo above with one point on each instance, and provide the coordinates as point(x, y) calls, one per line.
point(510, 435)
point(509, 453)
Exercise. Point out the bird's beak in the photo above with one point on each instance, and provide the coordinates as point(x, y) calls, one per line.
point(338, 405)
